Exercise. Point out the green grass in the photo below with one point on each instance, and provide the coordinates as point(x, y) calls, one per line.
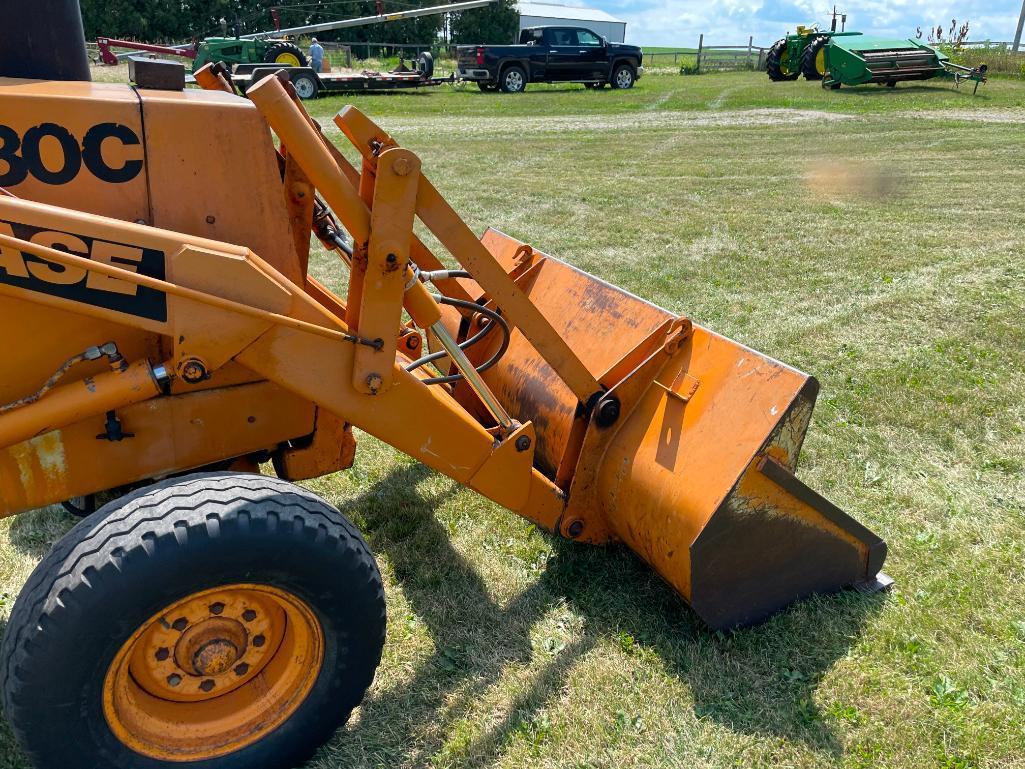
point(876, 240)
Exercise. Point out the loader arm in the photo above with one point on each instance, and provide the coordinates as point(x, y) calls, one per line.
point(587, 410)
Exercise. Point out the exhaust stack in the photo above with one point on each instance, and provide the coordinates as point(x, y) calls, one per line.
point(44, 40)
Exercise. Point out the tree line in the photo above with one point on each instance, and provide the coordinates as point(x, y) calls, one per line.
point(165, 21)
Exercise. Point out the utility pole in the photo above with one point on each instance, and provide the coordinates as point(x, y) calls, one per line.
point(1017, 34)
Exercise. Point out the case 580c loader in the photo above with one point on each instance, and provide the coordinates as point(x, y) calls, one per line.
point(164, 337)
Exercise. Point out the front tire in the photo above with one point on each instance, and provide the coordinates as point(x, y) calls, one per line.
point(227, 621)
point(514, 80)
point(813, 60)
point(778, 65)
point(623, 77)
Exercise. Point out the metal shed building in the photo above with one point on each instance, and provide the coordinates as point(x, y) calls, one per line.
point(553, 15)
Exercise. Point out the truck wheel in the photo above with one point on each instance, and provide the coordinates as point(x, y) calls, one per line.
point(623, 77)
point(286, 54)
point(306, 86)
point(224, 621)
point(778, 64)
point(514, 80)
point(813, 60)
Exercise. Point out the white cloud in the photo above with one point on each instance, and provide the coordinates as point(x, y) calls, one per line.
point(675, 23)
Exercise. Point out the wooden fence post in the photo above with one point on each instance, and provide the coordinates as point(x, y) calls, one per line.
point(750, 43)
point(701, 44)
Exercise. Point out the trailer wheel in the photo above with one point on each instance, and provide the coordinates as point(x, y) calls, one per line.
point(513, 80)
point(778, 64)
point(425, 66)
point(286, 54)
point(623, 77)
point(226, 621)
point(813, 60)
point(306, 86)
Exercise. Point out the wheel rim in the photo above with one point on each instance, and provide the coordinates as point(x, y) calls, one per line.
point(213, 673)
point(287, 59)
point(624, 78)
point(820, 61)
point(303, 87)
point(514, 80)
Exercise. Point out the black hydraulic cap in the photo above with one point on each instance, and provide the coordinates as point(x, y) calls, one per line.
point(43, 40)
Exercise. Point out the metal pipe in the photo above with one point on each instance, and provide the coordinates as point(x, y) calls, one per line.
point(367, 20)
point(1017, 32)
point(43, 40)
point(74, 402)
point(472, 377)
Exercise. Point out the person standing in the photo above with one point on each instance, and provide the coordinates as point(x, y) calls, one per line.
point(317, 56)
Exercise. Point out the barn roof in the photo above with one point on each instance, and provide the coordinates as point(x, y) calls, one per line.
point(556, 11)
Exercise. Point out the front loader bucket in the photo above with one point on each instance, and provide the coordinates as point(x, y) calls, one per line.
point(696, 472)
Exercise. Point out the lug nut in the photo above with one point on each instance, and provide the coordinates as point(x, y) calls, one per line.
point(207, 685)
point(180, 624)
point(163, 654)
point(174, 679)
point(259, 641)
point(249, 615)
point(217, 608)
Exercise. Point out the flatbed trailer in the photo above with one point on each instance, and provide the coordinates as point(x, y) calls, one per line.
point(309, 84)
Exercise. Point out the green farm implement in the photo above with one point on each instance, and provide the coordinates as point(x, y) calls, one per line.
point(276, 47)
point(852, 58)
point(858, 59)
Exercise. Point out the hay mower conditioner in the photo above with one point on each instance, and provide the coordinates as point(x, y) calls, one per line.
point(859, 59)
point(165, 338)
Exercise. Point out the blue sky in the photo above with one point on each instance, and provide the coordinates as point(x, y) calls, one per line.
point(679, 22)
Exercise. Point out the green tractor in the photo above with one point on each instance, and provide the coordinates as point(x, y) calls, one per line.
point(805, 52)
point(232, 50)
point(800, 54)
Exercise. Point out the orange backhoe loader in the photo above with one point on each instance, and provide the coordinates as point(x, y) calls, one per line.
point(164, 340)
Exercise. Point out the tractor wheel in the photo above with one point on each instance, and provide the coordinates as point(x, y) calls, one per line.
point(513, 80)
point(813, 60)
point(778, 64)
point(286, 54)
point(218, 620)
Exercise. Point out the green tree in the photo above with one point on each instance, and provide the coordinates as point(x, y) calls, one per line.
point(158, 21)
point(497, 23)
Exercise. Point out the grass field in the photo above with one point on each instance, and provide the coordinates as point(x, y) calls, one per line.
point(873, 238)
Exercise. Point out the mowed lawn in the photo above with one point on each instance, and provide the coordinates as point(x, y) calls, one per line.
point(875, 239)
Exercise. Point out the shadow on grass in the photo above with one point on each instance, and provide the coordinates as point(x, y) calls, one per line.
point(757, 681)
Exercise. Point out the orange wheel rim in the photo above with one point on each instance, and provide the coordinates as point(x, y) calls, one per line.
point(213, 673)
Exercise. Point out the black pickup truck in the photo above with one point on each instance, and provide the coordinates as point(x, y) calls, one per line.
point(550, 55)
